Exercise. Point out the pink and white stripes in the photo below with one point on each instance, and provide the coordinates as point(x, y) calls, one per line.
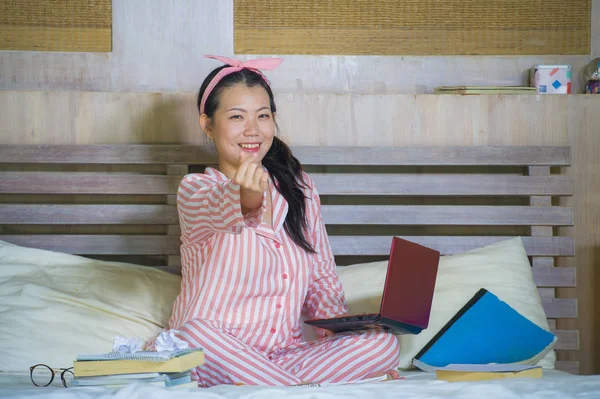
point(245, 286)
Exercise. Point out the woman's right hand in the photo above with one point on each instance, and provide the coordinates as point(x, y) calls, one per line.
point(253, 180)
point(251, 176)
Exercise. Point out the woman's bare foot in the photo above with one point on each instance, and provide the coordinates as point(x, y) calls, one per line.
point(391, 374)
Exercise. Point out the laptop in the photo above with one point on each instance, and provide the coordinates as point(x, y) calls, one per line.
point(407, 293)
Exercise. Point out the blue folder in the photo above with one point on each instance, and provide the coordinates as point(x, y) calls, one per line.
point(486, 330)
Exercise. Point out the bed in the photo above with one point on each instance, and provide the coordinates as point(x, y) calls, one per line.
point(555, 384)
point(113, 205)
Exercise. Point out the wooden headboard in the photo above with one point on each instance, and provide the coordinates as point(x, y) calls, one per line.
point(117, 202)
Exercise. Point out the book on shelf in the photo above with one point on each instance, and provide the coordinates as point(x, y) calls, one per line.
point(485, 90)
point(115, 363)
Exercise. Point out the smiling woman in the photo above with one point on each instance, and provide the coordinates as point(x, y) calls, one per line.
point(255, 254)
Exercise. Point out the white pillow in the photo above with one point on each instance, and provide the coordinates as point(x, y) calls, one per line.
point(502, 268)
point(54, 306)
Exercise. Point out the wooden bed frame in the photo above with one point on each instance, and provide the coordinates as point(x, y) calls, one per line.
point(117, 202)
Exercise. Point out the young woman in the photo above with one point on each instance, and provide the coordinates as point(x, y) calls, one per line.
point(255, 253)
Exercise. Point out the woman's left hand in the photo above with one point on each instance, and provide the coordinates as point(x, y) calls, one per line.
point(322, 333)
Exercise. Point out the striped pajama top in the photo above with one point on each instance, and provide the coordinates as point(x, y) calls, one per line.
point(250, 280)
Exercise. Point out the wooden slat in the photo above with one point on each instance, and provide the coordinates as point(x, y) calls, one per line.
point(447, 245)
point(517, 156)
point(543, 261)
point(174, 229)
point(341, 245)
point(379, 245)
point(560, 307)
point(567, 339)
point(174, 261)
point(332, 214)
point(567, 366)
point(105, 154)
point(446, 215)
point(540, 171)
point(86, 183)
point(328, 184)
point(546, 292)
point(178, 170)
point(308, 155)
point(440, 185)
point(100, 244)
point(88, 214)
point(541, 200)
point(552, 324)
point(542, 231)
point(554, 277)
point(176, 269)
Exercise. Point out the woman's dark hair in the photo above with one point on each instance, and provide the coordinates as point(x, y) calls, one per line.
point(279, 160)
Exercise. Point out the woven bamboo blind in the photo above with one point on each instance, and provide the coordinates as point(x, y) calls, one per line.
point(412, 27)
point(56, 25)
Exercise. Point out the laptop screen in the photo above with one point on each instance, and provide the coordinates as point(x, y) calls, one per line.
point(410, 282)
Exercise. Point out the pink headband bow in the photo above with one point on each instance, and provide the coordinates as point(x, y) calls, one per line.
point(237, 65)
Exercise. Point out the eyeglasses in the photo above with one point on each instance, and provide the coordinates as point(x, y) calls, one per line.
point(42, 375)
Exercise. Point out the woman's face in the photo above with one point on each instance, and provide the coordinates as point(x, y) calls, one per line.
point(241, 126)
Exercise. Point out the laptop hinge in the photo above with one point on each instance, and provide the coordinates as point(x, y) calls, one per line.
point(398, 326)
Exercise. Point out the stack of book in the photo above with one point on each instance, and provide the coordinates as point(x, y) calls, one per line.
point(166, 368)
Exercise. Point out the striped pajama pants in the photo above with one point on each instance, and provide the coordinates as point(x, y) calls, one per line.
point(342, 357)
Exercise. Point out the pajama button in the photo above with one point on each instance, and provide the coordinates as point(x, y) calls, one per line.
point(278, 306)
point(277, 245)
point(272, 331)
point(284, 276)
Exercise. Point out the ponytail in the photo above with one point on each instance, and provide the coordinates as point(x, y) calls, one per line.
point(287, 172)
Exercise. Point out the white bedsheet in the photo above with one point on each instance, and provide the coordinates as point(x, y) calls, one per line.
point(554, 384)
